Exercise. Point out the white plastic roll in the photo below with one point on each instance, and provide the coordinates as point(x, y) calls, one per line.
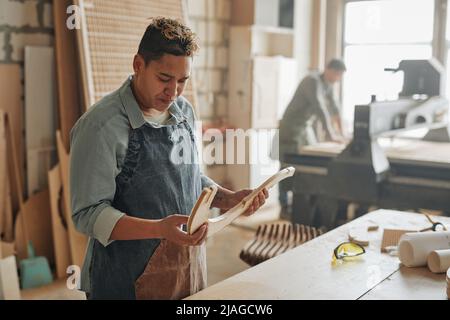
point(439, 261)
point(414, 248)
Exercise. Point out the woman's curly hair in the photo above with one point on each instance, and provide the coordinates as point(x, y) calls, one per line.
point(167, 36)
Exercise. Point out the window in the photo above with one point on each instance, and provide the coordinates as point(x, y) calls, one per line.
point(379, 34)
point(447, 37)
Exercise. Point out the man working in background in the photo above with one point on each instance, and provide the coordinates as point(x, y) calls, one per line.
point(312, 107)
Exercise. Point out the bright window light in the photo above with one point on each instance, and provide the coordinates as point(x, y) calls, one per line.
point(389, 21)
point(378, 35)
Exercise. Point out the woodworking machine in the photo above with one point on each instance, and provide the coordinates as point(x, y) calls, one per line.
point(366, 173)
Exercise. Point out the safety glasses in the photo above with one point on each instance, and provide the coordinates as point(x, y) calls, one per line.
point(347, 250)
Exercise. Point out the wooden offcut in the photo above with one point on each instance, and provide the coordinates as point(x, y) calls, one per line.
point(11, 103)
point(4, 182)
point(391, 237)
point(109, 38)
point(6, 214)
point(69, 102)
point(59, 225)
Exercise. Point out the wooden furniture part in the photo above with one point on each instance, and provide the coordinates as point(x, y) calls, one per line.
point(40, 115)
point(69, 102)
point(200, 212)
point(59, 225)
point(109, 38)
point(77, 240)
point(251, 245)
point(11, 103)
point(279, 239)
point(307, 272)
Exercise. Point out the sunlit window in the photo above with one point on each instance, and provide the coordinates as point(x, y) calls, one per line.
point(379, 34)
point(447, 36)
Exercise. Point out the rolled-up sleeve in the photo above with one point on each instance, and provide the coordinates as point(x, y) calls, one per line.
point(93, 168)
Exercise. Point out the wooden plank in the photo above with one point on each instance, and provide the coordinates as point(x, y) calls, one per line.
point(6, 214)
point(7, 249)
point(11, 103)
point(306, 272)
point(40, 115)
point(69, 102)
point(7, 223)
point(59, 225)
point(38, 223)
point(4, 182)
point(77, 240)
point(105, 25)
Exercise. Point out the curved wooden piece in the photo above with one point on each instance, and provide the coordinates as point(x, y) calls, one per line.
point(201, 209)
point(200, 212)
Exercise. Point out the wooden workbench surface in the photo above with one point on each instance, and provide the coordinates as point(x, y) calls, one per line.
point(398, 149)
point(306, 272)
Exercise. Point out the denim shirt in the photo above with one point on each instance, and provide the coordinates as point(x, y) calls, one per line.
point(99, 143)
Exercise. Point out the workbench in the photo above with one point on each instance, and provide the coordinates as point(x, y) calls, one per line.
point(307, 272)
point(418, 178)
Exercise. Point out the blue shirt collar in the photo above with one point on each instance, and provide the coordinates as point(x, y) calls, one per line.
point(133, 111)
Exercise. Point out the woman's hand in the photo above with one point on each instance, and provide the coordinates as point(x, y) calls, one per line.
point(226, 201)
point(170, 229)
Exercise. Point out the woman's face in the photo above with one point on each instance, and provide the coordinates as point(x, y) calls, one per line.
point(160, 82)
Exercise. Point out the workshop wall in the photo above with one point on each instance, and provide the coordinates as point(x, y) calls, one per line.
point(30, 22)
point(24, 22)
point(210, 19)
